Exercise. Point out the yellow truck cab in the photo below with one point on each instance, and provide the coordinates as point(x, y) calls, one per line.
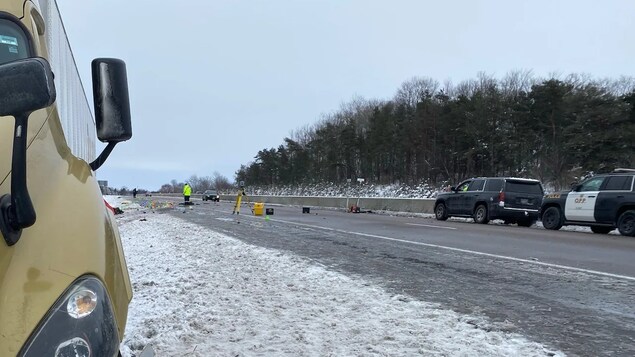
point(64, 284)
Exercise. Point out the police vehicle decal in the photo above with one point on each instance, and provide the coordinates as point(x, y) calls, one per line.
point(580, 206)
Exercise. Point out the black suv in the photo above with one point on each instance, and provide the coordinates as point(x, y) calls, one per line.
point(514, 200)
point(211, 195)
point(603, 202)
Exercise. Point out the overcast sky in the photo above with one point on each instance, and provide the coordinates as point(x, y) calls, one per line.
point(213, 82)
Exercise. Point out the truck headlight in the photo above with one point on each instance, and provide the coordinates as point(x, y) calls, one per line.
point(80, 324)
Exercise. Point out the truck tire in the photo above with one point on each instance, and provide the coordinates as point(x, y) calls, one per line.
point(441, 212)
point(626, 223)
point(480, 214)
point(552, 218)
point(601, 229)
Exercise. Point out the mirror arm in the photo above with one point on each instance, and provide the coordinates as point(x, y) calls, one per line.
point(103, 156)
point(16, 209)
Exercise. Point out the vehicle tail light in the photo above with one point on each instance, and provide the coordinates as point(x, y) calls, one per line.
point(501, 199)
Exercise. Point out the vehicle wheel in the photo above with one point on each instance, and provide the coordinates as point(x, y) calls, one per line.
point(526, 222)
point(601, 229)
point(626, 223)
point(480, 214)
point(552, 218)
point(440, 212)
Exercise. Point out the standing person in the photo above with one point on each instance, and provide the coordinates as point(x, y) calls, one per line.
point(134, 193)
point(187, 192)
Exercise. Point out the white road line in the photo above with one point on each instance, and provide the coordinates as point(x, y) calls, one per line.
point(527, 261)
point(429, 225)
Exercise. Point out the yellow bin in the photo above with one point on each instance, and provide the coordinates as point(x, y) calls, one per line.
point(259, 208)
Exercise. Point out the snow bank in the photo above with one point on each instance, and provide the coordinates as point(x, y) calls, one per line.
point(354, 190)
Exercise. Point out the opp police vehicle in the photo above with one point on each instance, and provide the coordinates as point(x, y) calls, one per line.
point(603, 202)
point(514, 200)
point(64, 284)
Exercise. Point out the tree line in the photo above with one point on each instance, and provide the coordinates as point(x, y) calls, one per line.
point(556, 129)
point(198, 184)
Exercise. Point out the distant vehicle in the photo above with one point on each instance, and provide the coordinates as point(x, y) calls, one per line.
point(211, 195)
point(602, 202)
point(514, 200)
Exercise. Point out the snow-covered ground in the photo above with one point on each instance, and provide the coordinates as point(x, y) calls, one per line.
point(352, 190)
point(202, 293)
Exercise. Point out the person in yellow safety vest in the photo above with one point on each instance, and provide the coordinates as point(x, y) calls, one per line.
point(187, 192)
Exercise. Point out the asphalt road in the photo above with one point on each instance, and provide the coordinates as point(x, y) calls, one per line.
point(573, 291)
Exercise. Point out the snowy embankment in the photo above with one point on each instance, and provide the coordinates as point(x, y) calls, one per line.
point(203, 293)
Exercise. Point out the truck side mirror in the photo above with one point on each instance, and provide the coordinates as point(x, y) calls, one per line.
point(112, 106)
point(110, 95)
point(27, 85)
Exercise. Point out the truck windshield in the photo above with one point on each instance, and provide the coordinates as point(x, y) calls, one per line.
point(13, 42)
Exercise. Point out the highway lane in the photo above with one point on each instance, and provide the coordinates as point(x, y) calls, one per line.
point(582, 303)
point(611, 254)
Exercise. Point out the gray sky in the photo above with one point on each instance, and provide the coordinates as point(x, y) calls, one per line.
point(213, 82)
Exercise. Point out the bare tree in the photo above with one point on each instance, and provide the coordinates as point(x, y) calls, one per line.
point(414, 90)
point(622, 85)
point(220, 182)
point(485, 82)
point(580, 80)
point(176, 187)
point(205, 183)
point(516, 82)
point(448, 88)
point(302, 135)
point(466, 88)
point(195, 183)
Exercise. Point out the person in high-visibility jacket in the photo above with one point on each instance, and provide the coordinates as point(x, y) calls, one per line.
point(187, 192)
